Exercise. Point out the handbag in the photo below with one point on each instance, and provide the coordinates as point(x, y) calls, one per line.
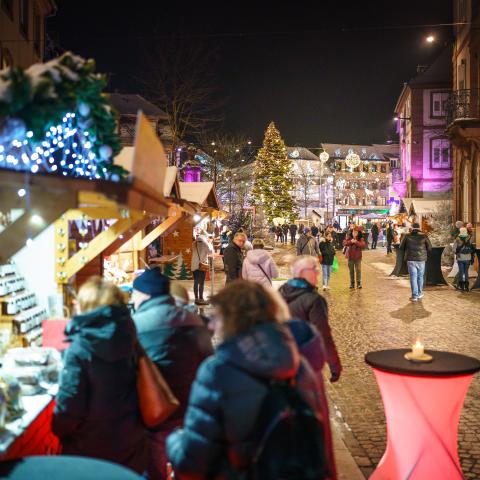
point(203, 266)
point(155, 399)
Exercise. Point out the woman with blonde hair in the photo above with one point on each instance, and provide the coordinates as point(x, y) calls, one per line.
point(223, 417)
point(97, 413)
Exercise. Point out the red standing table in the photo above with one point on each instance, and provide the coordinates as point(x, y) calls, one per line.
point(422, 402)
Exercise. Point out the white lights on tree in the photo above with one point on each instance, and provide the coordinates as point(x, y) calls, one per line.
point(352, 160)
point(295, 154)
point(324, 156)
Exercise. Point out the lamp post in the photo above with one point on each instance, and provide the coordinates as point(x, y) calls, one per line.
point(324, 156)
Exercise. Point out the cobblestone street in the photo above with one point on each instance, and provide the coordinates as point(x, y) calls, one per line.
point(380, 316)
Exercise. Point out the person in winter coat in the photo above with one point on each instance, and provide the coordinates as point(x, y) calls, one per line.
point(327, 250)
point(228, 392)
point(375, 232)
point(306, 244)
point(415, 247)
point(201, 248)
point(279, 233)
point(310, 344)
point(389, 234)
point(233, 257)
point(465, 256)
point(315, 231)
point(354, 244)
point(293, 233)
point(285, 230)
point(177, 341)
point(307, 304)
point(96, 412)
point(259, 266)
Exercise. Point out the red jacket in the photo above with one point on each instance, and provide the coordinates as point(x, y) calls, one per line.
point(354, 249)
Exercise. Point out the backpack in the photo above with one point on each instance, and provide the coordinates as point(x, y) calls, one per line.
point(290, 442)
point(465, 248)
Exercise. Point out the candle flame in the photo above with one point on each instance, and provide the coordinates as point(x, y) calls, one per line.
point(418, 343)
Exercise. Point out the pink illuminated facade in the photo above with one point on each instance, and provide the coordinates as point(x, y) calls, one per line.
point(426, 167)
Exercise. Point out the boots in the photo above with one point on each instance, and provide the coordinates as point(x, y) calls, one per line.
point(460, 285)
point(467, 286)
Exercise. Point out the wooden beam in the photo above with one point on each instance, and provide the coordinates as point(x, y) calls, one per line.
point(160, 230)
point(128, 235)
point(99, 244)
point(103, 213)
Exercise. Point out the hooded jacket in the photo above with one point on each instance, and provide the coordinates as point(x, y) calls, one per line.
point(200, 250)
point(416, 246)
point(227, 396)
point(354, 251)
point(305, 303)
point(177, 341)
point(96, 413)
point(307, 245)
point(464, 250)
point(327, 249)
point(233, 259)
point(252, 267)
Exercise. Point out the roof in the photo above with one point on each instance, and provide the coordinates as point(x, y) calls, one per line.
point(424, 206)
point(202, 193)
point(170, 177)
point(440, 71)
point(301, 153)
point(367, 152)
point(129, 104)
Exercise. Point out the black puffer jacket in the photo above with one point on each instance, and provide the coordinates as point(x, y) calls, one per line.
point(305, 303)
point(233, 260)
point(327, 249)
point(226, 399)
point(416, 246)
point(177, 341)
point(97, 408)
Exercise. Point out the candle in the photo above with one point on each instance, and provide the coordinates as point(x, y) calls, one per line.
point(417, 349)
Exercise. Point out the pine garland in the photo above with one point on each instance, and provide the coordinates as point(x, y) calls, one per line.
point(273, 178)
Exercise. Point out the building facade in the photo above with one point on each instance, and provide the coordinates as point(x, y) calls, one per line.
point(463, 112)
point(426, 167)
point(22, 31)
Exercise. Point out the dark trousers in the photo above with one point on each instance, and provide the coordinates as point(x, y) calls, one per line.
point(292, 238)
point(374, 242)
point(198, 283)
point(389, 246)
point(355, 266)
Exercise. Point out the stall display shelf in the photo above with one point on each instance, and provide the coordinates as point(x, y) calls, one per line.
point(20, 316)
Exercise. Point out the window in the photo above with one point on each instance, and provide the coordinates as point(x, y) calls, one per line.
point(374, 169)
point(23, 16)
point(383, 168)
point(7, 6)
point(37, 30)
point(440, 153)
point(365, 167)
point(438, 104)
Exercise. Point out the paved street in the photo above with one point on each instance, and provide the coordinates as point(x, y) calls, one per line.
point(380, 316)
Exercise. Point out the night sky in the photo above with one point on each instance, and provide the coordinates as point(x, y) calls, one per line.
point(329, 73)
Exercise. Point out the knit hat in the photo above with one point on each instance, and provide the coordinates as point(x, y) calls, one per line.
point(416, 226)
point(459, 223)
point(152, 282)
point(463, 232)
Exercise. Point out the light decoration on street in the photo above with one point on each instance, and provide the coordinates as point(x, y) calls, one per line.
point(352, 160)
point(324, 156)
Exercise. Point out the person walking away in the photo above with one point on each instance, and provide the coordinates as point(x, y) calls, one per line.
point(355, 244)
point(293, 233)
point(389, 235)
point(232, 388)
point(201, 249)
point(314, 232)
point(375, 232)
point(306, 244)
point(465, 255)
point(279, 233)
point(285, 230)
point(327, 250)
point(258, 265)
point(233, 257)
point(97, 411)
point(415, 246)
point(177, 341)
point(305, 303)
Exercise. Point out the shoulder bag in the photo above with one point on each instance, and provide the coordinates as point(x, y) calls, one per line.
point(265, 273)
point(203, 266)
point(155, 399)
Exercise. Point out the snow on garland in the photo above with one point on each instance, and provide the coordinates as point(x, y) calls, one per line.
point(55, 118)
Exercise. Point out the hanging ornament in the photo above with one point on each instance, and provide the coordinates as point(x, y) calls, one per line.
point(352, 160)
point(84, 109)
point(105, 152)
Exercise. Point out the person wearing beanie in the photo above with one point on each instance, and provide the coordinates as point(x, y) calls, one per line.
point(415, 247)
point(465, 255)
point(177, 341)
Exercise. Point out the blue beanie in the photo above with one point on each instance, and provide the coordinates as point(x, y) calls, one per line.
point(152, 282)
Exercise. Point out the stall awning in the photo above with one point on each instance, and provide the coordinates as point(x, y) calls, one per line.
point(423, 206)
point(202, 193)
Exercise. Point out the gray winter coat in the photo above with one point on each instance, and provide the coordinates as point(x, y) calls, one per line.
point(463, 249)
point(200, 250)
point(307, 246)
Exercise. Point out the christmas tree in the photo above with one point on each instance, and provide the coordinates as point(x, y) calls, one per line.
point(183, 275)
point(273, 178)
point(168, 271)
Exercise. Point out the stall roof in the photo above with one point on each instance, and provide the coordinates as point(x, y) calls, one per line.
point(171, 188)
point(202, 193)
point(424, 206)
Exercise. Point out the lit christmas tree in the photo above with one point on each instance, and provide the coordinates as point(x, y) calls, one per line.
point(273, 178)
